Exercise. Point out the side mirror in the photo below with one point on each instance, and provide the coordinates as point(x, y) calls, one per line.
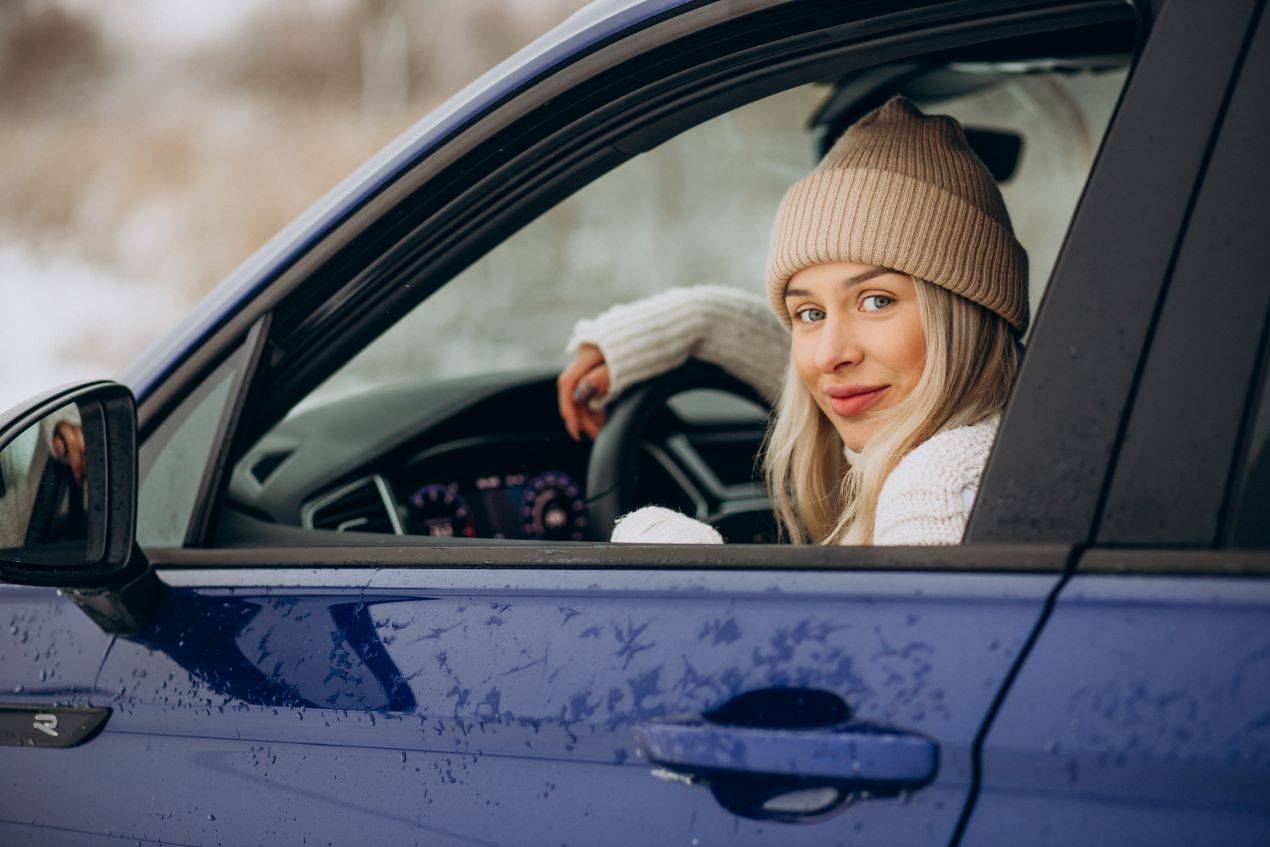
point(68, 501)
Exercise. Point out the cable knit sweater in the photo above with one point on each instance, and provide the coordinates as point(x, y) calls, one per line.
point(925, 500)
point(725, 326)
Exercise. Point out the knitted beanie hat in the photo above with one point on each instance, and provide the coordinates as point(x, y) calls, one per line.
point(903, 190)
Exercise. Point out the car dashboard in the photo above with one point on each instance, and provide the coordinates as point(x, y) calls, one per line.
point(483, 459)
point(496, 486)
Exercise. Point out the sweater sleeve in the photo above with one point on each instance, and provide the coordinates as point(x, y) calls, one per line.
point(659, 525)
point(725, 326)
point(67, 414)
point(928, 497)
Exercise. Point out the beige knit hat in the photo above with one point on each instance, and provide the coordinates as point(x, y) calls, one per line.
point(903, 190)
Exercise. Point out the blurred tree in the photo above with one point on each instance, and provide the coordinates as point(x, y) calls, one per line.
point(48, 56)
point(385, 59)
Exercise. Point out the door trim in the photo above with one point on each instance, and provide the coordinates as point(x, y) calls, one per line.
point(1175, 562)
point(424, 553)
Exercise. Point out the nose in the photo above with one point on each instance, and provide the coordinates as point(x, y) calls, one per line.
point(836, 347)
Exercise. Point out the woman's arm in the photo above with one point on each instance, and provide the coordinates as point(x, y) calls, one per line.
point(728, 327)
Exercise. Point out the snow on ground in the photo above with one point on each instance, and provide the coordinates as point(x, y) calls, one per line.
point(63, 319)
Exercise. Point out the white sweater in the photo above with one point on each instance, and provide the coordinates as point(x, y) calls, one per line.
point(925, 500)
point(725, 326)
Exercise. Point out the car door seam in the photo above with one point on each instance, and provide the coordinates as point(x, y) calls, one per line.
point(976, 748)
point(105, 654)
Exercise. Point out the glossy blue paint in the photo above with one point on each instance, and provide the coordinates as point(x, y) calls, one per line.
point(49, 650)
point(1142, 716)
point(592, 25)
point(485, 706)
point(858, 756)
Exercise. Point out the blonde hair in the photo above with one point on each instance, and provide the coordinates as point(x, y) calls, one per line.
point(971, 359)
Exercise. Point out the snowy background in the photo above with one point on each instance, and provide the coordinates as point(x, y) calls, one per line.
point(149, 147)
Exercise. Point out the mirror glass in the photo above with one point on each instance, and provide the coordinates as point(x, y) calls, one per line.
point(48, 474)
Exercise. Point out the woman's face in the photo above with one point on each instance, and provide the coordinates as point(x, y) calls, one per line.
point(858, 343)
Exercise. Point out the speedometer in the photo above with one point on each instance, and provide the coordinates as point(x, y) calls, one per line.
point(439, 511)
point(552, 509)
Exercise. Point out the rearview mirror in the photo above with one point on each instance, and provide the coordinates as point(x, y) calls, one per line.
point(68, 498)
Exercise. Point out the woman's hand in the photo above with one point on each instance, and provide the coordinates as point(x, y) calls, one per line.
point(68, 448)
point(586, 379)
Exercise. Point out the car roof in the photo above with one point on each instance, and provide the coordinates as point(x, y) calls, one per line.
point(585, 29)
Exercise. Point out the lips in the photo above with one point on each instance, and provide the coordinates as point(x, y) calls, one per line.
point(849, 400)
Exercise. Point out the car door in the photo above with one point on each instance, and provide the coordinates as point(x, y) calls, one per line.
point(451, 694)
point(1142, 714)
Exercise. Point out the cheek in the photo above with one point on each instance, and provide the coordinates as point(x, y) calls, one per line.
point(906, 351)
point(803, 354)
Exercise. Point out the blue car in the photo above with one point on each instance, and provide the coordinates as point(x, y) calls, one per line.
point(323, 567)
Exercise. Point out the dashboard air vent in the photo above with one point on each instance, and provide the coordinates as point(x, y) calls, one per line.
point(362, 506)
point(268, 463)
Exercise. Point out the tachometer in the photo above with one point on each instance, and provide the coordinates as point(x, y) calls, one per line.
point(552, 508)
point(439, 510)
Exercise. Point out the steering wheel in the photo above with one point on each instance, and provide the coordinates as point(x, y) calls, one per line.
point(613, 471)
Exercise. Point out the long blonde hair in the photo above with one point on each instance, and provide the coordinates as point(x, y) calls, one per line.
point(971, 359)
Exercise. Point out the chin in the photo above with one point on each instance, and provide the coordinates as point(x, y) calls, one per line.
point(849, 437)
point(856, 438)
point(849, 442)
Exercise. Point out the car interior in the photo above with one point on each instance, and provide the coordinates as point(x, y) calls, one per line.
point(482, 457)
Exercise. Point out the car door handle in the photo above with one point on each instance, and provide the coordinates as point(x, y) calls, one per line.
point(857, 756)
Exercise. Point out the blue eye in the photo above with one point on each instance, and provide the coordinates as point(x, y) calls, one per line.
point(810, 315)
point(876, 302)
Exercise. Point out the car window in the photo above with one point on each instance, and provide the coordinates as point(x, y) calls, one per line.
point(696, 209)
point(173, 460)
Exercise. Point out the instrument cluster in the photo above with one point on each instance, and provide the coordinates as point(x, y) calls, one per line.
point(490, 492)
point(543, 505)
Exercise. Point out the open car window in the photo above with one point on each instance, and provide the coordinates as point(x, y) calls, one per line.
point(699, 208)
point(446, 424)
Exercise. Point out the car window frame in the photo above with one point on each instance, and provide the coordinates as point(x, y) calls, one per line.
point(667, 125)
point(1047, 479)
point(1207, 341)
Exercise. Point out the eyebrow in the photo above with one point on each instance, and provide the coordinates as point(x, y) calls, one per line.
point(846, 283)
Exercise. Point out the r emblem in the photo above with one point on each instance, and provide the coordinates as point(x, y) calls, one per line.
point(46, 724)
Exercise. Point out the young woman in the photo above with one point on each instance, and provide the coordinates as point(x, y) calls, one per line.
point(899, 292)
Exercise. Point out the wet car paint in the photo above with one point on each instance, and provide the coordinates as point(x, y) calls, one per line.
point(1153, 699)
point(49, 650)
point(483, 707)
